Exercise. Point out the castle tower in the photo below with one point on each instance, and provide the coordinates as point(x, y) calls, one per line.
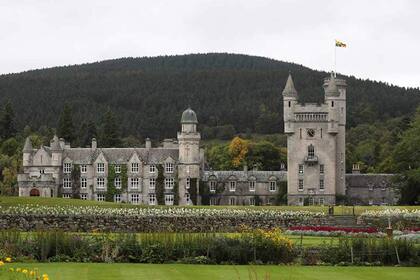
point(315, 144)
point(27, 151)
point(56, 152)
point(189, 155)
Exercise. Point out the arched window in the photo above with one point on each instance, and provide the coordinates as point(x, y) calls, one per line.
point(311, 151)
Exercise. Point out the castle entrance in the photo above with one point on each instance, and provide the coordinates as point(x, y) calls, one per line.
point(34, 192)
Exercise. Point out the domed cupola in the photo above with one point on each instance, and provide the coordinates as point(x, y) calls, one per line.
point(189, 117)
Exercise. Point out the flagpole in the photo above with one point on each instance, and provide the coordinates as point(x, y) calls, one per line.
point(335, 60)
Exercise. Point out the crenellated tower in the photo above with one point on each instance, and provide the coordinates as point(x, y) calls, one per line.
point(315, 144)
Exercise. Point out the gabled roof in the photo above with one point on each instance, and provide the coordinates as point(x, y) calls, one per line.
point(260, 176)
point(27, 148)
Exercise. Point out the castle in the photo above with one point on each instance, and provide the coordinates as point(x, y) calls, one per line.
point(174, 173)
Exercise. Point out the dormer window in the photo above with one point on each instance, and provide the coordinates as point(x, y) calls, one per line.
point(100, 167)
point(135, 167)
point(117, 169)
point(83, 168)
point(169, 167)
point(67, 168)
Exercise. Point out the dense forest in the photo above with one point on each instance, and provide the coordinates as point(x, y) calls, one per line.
point(237, 99)
point(230, 93)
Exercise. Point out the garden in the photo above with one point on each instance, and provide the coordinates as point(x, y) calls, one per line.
point(57, 240)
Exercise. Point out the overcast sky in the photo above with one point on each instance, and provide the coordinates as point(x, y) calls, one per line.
point(383, 37)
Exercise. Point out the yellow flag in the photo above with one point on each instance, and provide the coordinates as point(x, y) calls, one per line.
point(340, 44)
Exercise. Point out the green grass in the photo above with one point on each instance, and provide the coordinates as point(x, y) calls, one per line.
point(6, 201)
point(79, 271)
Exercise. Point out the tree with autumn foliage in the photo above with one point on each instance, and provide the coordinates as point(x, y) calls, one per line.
point(238, 150)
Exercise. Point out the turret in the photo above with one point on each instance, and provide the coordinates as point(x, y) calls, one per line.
point(189, 156)
point(189, 138)
point(27, 151)
point(56, 151)
point(289, 102)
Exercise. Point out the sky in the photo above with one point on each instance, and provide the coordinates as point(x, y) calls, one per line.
point(383, 37)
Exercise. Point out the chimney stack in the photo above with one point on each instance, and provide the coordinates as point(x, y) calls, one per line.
point(94, 144)
point(148, 143)
point(356, 168)
point(62, 143)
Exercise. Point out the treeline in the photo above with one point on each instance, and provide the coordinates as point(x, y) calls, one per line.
point(230, 93)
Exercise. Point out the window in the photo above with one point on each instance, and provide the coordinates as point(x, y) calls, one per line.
point(321, 184)
point(67, 183)
point(370, 201)
point(83, 182)
point(232, 186)
point(152, 183)
point(300, 168)
point(100, 183)
point(66, 195)
point(213, 201)
point(152, 199)
point(311, 151)
point(134, 167)
point(188, 199)
point(213, 186)
point(117, 198)
point(252, 186)
point(273, 186)
point(83, 169)
point(371, 187)
point(169, 199)
point(232, 201)
point(188, 183)
point(100, 167)
point(321, 201)
point(117, 169)
point(134, 183)
point(332, 103)
point(83, 196)
point(42, 171)
point(67, 168)
point(311, 200)
point(321, 169)
point(169, 183)
point(117, 182)
point(169, 167)
point(152, 168)
point(135, 198)
point(100, 197)
point(290, 103)
point(300, 185)
point(252, 201)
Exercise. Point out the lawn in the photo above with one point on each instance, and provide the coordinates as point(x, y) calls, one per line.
point(79, 271)
point(6, 201)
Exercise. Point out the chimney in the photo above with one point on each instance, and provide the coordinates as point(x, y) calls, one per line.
point(356, 168)
point(148, 143)
point(245, 168)
point(94, 144)
point(62, 143)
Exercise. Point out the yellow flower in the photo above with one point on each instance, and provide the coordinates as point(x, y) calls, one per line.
point(31, 273)
point(1, 263)
point(8, 259)
point(25, 271)
point(18, 269)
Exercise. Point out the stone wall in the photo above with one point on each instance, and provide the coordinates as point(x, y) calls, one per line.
point(137, 224)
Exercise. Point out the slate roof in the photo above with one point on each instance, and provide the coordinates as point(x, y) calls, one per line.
point(259, 176)
point(120, 155)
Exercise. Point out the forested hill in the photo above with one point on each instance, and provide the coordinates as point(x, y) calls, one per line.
point(228, 92)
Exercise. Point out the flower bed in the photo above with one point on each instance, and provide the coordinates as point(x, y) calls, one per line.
point(400, 218)
point(333, 231)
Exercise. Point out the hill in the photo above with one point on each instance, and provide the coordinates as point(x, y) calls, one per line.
point(228, 91)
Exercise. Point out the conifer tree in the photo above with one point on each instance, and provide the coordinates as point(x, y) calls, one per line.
point(7, 121)
point(109, 136)
point(65, 125)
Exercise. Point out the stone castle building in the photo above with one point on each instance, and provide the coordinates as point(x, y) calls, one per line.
point(174, 172)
